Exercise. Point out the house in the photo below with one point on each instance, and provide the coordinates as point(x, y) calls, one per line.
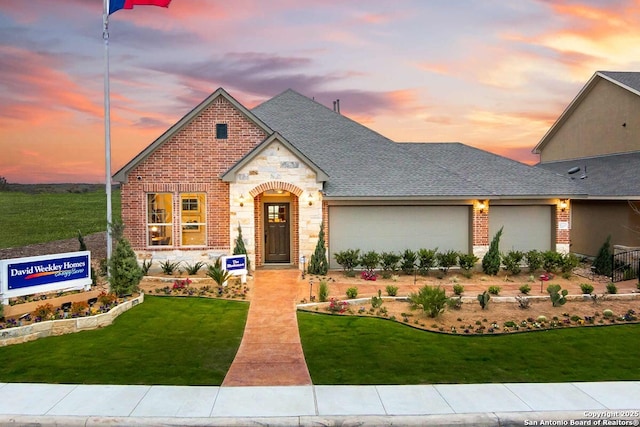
point(596, 142)
point(285, 167)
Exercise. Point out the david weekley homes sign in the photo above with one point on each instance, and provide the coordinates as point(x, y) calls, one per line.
point(236, 265)
point(46, 273)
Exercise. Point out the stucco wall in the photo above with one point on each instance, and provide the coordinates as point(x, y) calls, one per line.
point(607, 121)
point(593, 221)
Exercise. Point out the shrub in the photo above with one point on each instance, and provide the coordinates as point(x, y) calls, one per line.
point(43, 312)
point(239, 248)
point(467, 262)
point(455, 302)
point(494, 290)
point(318, 264)
point(491, 260)
point(193, 269)
point(352, 292)
point(523, 302)
point(512, 260)
point(426, 260)
point(169, 267)
point(370, 260)
point(483, 299)
point(567, 263)
point(607, 313)
point(586, 288)
point(458, 289)
point(376, 302)
point(431, 299)
point(525, 289)
point(534, 260)
point(603, 264)
point(348, 259)
point(218, 274)
point(612, 288)
point(392, 291)
point(541, 319)
point(323, 291)
point(146, 265)
point(107, 300)
point(389, 263)
point(558, 295)
point(446, 260)
point(78, 308)
point(125, 273)
point(551, 260)
point(408, 261)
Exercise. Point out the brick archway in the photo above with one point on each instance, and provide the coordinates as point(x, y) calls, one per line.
point(258, 201)
point(276, 185)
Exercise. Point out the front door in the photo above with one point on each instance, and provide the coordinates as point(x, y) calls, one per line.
point(276, 239)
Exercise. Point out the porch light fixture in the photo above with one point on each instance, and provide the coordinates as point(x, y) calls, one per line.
point(563, 205)
point(241, 199)
point(310, 198)
point(481, 206)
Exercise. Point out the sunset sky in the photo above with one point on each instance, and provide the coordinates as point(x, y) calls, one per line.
point(493, 74)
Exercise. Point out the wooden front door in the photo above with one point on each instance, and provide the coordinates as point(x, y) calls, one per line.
point(276, 239)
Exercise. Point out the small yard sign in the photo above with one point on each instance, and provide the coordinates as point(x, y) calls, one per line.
point(236, 265)
point(46, 273)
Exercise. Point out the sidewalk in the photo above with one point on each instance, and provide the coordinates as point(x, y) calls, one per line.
point(446, 404)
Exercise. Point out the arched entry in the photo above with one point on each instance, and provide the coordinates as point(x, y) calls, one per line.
point(276, 223)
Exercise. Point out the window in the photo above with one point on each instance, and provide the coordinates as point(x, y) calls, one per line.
point(193, 219)
point(221, 131)
point(159, 219)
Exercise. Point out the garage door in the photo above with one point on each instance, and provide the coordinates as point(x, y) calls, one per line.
point(525, 227)
point(396, 228)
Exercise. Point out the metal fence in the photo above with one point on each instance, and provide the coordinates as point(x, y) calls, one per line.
point(626, 265)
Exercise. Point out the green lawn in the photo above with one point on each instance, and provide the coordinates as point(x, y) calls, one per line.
point(43, 217)
point(172, 341)
point(358, 350)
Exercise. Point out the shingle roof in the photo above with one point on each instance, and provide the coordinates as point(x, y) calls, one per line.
point(363, 163)
point(613, 176)
point(630, 79)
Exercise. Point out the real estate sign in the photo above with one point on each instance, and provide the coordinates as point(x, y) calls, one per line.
point(46, 273)
point(236, 265)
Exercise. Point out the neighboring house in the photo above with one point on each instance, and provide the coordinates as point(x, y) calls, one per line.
point(290, 164)
point(599, 133)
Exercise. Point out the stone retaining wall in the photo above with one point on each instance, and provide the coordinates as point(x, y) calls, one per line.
point(49, 328)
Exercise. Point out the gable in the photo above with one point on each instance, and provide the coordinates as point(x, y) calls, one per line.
point(274, 159)
point(193, 138)
point(603, 119)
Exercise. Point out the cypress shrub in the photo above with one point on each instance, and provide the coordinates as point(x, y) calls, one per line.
point(239, 248)
point(125, 273)
point(491, 260)
point(603, 263)
point(318, 264)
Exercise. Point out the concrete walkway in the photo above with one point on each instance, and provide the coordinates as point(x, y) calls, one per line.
point(419, 405)
point(270, 353)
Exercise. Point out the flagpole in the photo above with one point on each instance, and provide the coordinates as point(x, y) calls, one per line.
point(107, 125)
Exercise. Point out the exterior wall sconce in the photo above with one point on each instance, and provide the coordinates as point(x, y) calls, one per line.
point(241, 199)
point(482, 206)
point(310, 198)
point(563, 205)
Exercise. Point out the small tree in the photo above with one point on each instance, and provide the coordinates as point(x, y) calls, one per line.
point(408, 261)
point(239, 248)
point(125, 272)
point(491, 260)
point(318, 264)
point(426, 260)
point(603, 263)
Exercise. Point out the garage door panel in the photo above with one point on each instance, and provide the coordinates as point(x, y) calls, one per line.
point(524, 227)
point(396, 228)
